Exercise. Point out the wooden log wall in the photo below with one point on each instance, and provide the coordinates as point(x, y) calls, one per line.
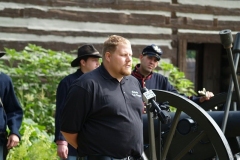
point(66, 25)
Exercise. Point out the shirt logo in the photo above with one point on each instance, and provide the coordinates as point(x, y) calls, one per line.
point(136, 94)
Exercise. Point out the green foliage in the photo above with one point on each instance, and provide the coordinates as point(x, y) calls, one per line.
point(35, 144)
point(36, 73)
point(135, 61)
point(178, 79)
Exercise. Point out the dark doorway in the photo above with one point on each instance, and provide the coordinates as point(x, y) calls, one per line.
point(204, 65)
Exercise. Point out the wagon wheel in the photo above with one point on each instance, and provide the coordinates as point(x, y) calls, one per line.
point(176, 146)
point(218, 100)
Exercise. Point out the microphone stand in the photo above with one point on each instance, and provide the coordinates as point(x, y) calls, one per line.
point(154, 111)
point(152, 144)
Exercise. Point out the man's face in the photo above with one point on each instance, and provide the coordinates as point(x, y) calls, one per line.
point(121, 60)
point(148, 64)
point(90, 64)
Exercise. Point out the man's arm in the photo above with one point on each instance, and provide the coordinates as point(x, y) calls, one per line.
point(12, 108)
point(74, 113)
point(60, 97)
point(62, 145)
point(71, 138)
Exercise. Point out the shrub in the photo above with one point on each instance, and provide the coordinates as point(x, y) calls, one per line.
point(35, 144)
point(178, 79)
point(35, 73)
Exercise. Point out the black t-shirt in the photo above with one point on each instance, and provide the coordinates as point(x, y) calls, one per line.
point(106, 114)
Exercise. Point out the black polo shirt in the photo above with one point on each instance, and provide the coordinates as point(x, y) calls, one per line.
point(106, 114)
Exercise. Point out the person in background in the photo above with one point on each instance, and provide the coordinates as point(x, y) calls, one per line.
point(102, 116)
point(86, 61)
point(144, 72)
point(11, 115)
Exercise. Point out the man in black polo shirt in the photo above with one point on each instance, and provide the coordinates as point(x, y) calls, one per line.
point(103, 109)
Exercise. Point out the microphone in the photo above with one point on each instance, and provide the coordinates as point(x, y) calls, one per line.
point(149, 98)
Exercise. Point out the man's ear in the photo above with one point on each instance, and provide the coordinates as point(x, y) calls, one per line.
point(108, 56)
point(140, 56)
point(82, 62)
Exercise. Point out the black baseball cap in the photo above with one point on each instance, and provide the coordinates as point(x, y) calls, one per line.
point(153, 50)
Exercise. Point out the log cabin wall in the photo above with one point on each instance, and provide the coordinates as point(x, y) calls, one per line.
point(171, 24)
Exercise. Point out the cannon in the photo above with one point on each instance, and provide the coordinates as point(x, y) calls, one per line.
point(192, 134)
point(197, 132)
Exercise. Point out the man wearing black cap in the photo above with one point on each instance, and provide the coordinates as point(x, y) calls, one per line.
point(11, 115)
point(86, 61)
point(149, 59)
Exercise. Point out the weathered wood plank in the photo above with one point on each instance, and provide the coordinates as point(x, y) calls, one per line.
point(85, 16)
point(135, 5)
point(24, 30)
point(199, 38)
point(122, 18)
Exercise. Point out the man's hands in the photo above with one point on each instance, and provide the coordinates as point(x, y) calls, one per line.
point(13, 141)
point(62, 150)
point(71, 138)
point(205, 95)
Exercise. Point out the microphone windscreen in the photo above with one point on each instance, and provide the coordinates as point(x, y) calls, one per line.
point(144, 89)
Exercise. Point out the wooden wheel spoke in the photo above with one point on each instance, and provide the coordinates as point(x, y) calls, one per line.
point(190, 145)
